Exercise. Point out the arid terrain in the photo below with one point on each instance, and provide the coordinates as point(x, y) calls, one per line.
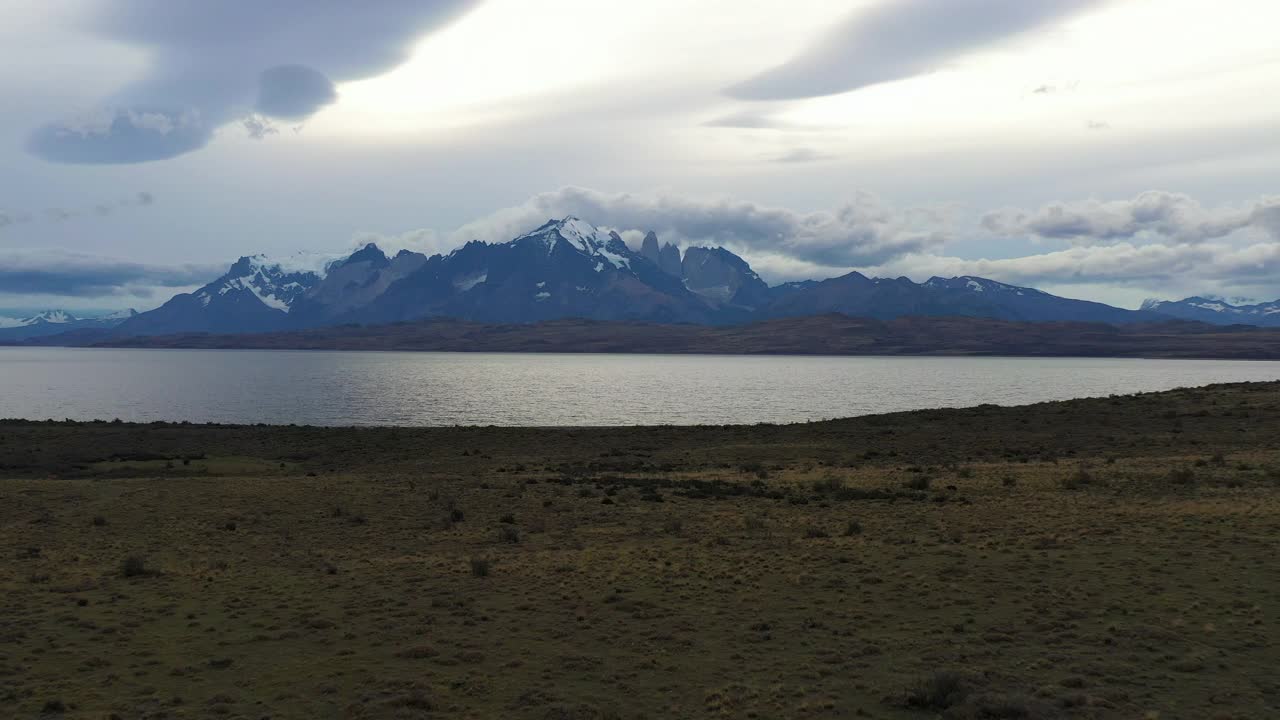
point(1104, 558)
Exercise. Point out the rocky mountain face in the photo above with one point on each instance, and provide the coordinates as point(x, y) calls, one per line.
point(724, 280)
point(1218, 312)
point(353, 284)
point(568, 268)
point(565, 268)
point(56, 322)
point(255, 295)
point(965, 296)
point(667, 257)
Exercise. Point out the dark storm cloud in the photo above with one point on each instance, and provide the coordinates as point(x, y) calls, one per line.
point(61, 272)
point(897, 40)
point(122, 135)
point(293, 91)
point(211, 62)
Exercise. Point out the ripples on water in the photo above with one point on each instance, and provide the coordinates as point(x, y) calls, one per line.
point(354, 388)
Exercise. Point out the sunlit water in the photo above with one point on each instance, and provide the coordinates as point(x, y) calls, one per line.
point(394, 388)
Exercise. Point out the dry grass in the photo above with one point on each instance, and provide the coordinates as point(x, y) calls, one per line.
point(487, 576)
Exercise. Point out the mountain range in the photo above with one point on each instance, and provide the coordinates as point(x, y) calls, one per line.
point(568, 268)
point(1218, 312)
point(57, 322)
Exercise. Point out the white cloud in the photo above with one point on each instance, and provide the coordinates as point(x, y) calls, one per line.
point(1190, 253)
point(1171, 216)
point(896, 40)
point(425, 241)
point(862, 231)
point(1168, 271)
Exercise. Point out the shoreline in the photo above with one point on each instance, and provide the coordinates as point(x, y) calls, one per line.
point(71, 422)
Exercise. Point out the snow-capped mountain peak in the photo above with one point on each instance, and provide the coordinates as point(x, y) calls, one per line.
point(53, 322)
point(583, 237)
point(62, 317)
point(301, 263)
point(974, 284)
point(55, 317)
point(276, 282)
point(1217, 310)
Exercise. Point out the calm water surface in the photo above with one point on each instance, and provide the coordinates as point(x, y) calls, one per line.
point(355, 388)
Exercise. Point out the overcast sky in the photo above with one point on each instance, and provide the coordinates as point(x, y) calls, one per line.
point(1104, 149)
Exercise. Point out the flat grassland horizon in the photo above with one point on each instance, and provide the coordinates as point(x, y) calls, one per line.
point(1101, 558)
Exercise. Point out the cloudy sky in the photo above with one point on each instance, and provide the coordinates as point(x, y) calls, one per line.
point(1105, 149)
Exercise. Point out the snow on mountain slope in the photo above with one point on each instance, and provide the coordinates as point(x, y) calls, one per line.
point(56, 317)
point(583, 237)
point(979, 285)
point(276, 282)
point(568, 267)
point(1218, 311)
point(53, 322)
point(51, 317)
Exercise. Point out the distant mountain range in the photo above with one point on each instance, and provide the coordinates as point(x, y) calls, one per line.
point(1218, 312)
point(57, 322)
point(569, 268)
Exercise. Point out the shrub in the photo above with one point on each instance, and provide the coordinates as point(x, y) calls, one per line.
point(813, 532)
point(99, 521)
point(920, 482)
point(1080, 478)
point(1182, 476)
point(135, 566)
point(509, 519)
point(853, 528)
point(829, 485)
point(1009, 481)
point(508, 534)
point(418, 652)
point(673, 526)
point(939, 691)
point(480, 567)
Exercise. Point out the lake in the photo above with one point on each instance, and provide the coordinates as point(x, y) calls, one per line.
point(395, 388)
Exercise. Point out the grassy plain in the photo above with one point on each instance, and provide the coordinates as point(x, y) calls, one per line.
point(1105, 558)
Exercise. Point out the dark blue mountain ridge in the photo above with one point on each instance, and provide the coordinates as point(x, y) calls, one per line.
point(568, 268)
